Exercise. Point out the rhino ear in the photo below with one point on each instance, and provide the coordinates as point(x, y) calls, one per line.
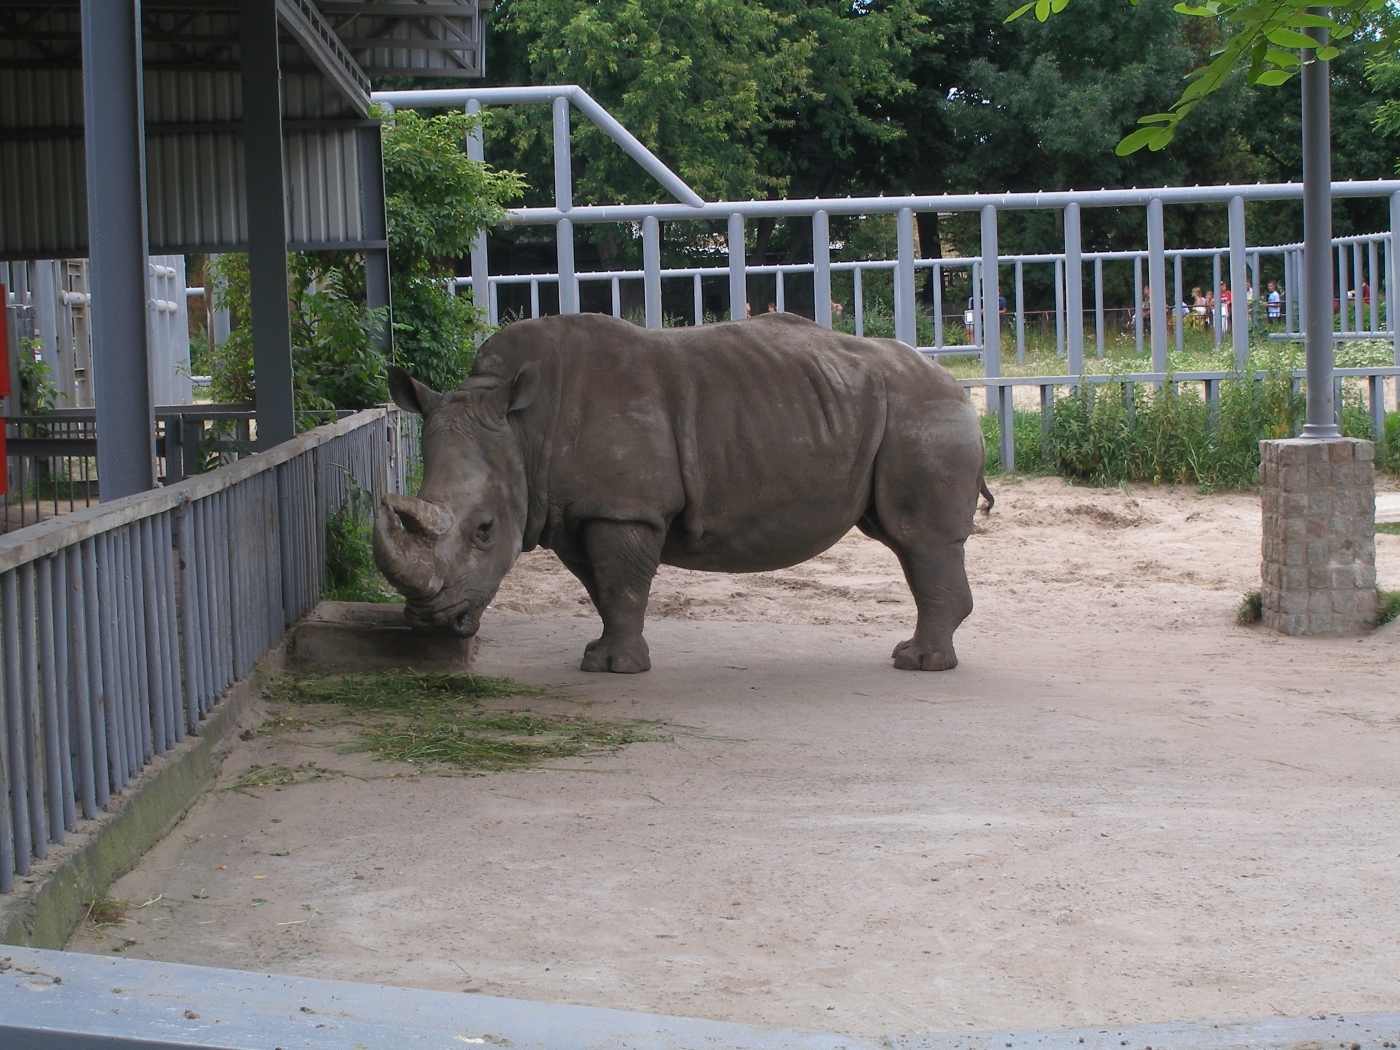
point(411, 395)
point(518, 393)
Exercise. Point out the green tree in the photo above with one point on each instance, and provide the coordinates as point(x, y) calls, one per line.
point(436, 201)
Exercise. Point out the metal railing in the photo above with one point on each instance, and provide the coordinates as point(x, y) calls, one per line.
point(52, 465)
point(124, 623)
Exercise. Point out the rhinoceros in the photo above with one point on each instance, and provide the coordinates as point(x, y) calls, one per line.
point(742, 446)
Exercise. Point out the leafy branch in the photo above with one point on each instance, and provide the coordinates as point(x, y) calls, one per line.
point(1268, 39)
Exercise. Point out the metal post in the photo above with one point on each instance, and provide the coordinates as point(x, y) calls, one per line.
point(1358, 283)
point(738, 283)
point(651, 265)
point(1343, 286)
point(938, 306)
point(1373, 268)
point(905, 329)
point(1179, 307)
point(267, 221)
point(998, 396)
point(1060, 307)
point(1020, 314)
point(1074, 289)
point(1392, 282)
point(1218, 309)
point(1137, 298)
point(1157, 283)
point(376, 230)
point(564, 201)
point(821, 272)
point(1239, 299)
point(481, 271)
point(1317, 241)
point(1098, 307)
point(115, 147)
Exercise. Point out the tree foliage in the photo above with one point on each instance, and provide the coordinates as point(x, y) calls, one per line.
point(436, 201)
point(1266, 38)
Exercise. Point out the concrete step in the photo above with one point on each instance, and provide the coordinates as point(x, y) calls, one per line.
point(369, 637)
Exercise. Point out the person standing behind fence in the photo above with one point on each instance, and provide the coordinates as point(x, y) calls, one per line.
point(1274, 303)
point(1227, 300)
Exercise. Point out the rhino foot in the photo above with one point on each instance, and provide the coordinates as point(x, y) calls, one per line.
point(914, 655)
point(621, 656)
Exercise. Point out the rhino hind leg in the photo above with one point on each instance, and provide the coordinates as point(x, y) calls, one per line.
point(620, 559)
point(938, 579)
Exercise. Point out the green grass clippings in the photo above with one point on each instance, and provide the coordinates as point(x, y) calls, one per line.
point(439, 720)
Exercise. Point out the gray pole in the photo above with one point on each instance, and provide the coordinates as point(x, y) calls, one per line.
point(481, 270)
point(115, 144)
point(905, 327)
point(738, 280)
point(1392, 278)
point(991, 294)
point(1317, 241)
point(1074, 290)
point(821, 268)
point(564, 201)
point(267, 221)
point(1239, 301)
point(651, 269)
point(1157, 284)
point(376, 229)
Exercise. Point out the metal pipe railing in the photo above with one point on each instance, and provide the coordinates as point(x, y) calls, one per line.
point(125, 622)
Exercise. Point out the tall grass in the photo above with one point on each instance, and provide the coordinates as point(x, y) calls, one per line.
point(1105, 433)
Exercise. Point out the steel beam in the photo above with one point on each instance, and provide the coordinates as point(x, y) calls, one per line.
point(267, 221)
point(376, 228)
point(321, 44)
point(115, 146)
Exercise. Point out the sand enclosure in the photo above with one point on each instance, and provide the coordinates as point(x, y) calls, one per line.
point(1120, 807)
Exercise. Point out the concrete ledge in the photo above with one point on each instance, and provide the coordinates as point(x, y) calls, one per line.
point(63, 1001)
point(50, 902)
point(369, 636)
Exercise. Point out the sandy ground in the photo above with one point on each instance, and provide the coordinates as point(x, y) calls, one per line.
point(1121, 807)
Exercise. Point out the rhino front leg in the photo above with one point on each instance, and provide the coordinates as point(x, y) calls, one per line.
point(622, 558)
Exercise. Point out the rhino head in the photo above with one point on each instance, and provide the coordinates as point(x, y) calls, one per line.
point(447, 549)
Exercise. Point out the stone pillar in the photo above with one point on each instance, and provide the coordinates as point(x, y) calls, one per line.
point(1319, 565)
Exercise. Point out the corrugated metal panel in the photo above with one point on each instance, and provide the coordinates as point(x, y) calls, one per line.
point(194, 175)
point(323, 186)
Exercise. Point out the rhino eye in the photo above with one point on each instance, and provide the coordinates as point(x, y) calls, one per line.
point(483, 532)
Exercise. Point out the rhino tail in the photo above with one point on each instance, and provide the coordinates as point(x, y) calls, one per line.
point(986, 494)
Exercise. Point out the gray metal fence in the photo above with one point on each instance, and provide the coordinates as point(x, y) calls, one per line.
point(125, 622)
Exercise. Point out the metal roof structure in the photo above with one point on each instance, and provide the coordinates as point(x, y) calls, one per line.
point(138, 127)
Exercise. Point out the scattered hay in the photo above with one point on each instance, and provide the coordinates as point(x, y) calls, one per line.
point(438, 720)
point(103, 911)
point(281, 776)
point(1390, 528)
point(1251, 609)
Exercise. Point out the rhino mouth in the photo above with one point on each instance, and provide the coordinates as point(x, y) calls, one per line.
point(458, 621)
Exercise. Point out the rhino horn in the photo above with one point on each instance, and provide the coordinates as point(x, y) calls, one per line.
point(403, 544)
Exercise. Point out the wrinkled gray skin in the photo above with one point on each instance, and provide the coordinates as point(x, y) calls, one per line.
point(736, 447)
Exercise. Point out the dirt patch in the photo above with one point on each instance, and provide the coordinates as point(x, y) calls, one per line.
point(1120, 807)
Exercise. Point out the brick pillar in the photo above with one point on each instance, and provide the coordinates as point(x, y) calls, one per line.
point(1319, 565)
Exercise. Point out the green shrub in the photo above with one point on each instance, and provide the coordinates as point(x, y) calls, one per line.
point(351, 575)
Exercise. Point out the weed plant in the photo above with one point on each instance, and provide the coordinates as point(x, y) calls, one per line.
point(439, 720)
point(1387, 607)
point(1113, 432)
point(351, 575)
